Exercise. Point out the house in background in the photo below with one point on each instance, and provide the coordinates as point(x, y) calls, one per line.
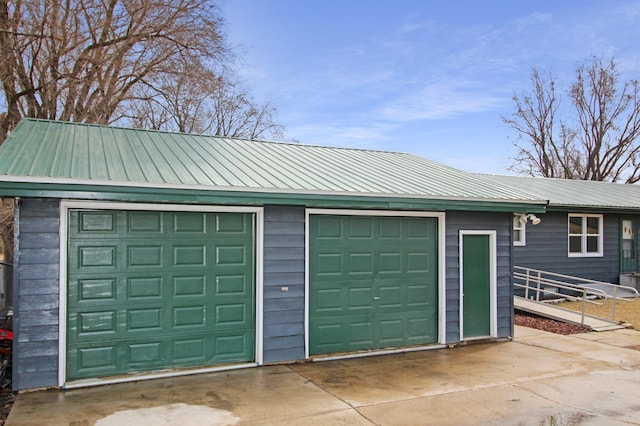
point(589, 229)
point(142, 254)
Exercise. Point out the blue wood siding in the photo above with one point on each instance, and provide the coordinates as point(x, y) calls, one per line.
point(284, 252)
point(36, 278)
point(501, 223)
point(547, 249)
point(36, 294)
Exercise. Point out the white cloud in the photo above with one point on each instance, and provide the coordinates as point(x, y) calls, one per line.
point(334, 134)
point(440, 100)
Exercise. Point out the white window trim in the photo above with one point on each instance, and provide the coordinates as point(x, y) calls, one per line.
point(522, 228)
point(583, 252)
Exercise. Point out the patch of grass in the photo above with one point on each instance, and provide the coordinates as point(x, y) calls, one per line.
point(624, 311)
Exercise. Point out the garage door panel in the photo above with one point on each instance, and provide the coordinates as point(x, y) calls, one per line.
point(142, 288)
point(141, 354)
point(392, 332)
point(190, 286)
point(418, 262)
point(174, 285)
point(360, 333)
point(189, 350)
point(359, 298)
point(329, 334)
point(329, 264)
point(328, 299)
point(373, 282)
point(93, 222)
point(189, 255)
point(100, 290)
point(415, 328)
point(96, 325)
point(390, 228)
point(230, 347)
point(144, 320)
point(360, 264)
point(94, 359)
point(99, 358)
point(230, 225)
point(189, 223)
point(230, 285)
point(390, 263)
point(144, 222)
point(392, 296)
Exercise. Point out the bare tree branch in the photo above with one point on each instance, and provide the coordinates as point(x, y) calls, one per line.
point(79, 60)
point(199, 101)
point(602, 143)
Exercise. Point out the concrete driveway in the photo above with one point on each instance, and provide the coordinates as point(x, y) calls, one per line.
point(539, 378)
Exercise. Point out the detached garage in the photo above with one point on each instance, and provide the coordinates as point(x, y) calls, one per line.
point(142, 254)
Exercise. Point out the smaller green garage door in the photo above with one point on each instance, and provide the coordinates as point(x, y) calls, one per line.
point(156, 290)
point(373, 282)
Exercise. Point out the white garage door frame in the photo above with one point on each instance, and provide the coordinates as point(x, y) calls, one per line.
point(66, 205)
point(440, 216)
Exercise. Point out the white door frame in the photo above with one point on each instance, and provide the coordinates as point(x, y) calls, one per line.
point(492, 282)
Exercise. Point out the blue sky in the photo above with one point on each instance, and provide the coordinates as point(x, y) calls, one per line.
point(428, 77)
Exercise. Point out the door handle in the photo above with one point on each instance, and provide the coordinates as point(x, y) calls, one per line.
point(376, 298)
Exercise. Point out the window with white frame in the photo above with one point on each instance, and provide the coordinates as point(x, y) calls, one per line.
point(585, 235)
point(519, 230)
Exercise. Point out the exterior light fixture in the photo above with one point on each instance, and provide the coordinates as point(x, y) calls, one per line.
point(532, 217)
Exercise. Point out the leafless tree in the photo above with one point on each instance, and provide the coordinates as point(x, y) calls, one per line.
point(201, 101)
point(601, 143)
point(79, 60)
point(235, 114)
point(173, 103)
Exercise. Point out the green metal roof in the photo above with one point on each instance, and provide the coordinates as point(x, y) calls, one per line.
point(42, 155)
point(566, 194)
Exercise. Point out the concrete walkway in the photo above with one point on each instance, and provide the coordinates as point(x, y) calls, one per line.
point(539, 378)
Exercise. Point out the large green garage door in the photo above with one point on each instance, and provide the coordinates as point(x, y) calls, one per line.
point(155, 290)
point(373, 282)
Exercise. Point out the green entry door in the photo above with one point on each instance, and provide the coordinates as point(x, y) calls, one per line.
point(154, 290)
point(373, 282)
point(477, 282)
point(628, 245)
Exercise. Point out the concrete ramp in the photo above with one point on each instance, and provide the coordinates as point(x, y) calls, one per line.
point(548, 310)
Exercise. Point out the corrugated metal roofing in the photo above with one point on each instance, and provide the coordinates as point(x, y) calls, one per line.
point(575, 193)
point(42, 151)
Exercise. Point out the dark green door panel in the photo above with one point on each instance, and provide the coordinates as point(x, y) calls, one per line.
point(373, 282)
point(476, 279)
point(154, 290)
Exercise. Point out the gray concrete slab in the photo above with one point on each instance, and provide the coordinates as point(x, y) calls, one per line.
point(539, 378)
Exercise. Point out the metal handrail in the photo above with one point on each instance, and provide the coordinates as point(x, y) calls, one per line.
point(538, 281)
